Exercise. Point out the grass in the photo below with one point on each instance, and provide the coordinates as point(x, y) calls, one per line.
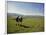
point(35, 24)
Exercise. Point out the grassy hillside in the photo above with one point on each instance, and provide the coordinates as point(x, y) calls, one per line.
point(35, 24)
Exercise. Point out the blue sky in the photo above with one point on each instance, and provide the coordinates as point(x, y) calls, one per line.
point(26, 8)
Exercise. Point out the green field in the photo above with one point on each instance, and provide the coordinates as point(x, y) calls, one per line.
point(35, 24)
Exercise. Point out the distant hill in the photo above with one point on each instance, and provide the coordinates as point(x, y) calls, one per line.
point(13, 14)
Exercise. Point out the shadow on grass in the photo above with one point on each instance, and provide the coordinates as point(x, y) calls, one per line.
point(25, 26)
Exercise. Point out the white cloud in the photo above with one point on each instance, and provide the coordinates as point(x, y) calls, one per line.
point(13, 9)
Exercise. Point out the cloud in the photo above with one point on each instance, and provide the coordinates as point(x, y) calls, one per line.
point(13, 8)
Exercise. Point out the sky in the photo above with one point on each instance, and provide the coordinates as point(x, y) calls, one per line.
point(26, 8)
